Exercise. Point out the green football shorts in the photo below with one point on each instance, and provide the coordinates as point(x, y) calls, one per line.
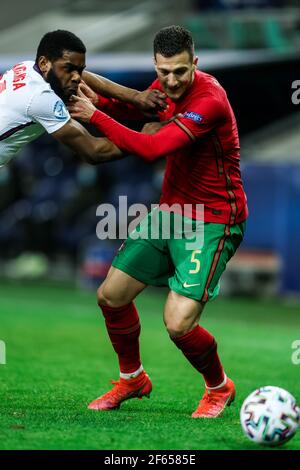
point(186, 255)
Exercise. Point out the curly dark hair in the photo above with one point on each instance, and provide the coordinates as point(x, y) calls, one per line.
point(54, 43)
point(173, 40)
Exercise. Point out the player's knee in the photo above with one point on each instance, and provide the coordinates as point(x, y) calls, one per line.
point(104, 297)
point(177, 328)
point(107, 296)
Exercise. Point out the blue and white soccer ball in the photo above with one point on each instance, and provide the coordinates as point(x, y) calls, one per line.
point(270, 416)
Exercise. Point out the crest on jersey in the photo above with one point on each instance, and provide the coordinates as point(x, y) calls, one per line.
point(60, 111)
point(193, 116)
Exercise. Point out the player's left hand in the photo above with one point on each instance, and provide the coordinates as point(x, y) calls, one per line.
point(153, 127)
point(80, 107)
point(150, 101)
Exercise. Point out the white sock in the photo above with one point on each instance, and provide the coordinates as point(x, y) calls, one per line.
point(131, 375)
point(218, 386)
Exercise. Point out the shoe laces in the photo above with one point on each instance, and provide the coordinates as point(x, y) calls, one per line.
point(116, 391)
point(120, 386)
point(210, 397)
point(115, 382)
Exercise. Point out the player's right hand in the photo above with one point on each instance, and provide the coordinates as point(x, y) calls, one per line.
point(80, 107)
point(89, 93)
point(150, 101)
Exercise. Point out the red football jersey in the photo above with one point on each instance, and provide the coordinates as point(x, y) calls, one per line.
point(201, 147)
point(208, 171)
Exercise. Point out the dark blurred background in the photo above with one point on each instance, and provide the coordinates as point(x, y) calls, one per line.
point(48, 198)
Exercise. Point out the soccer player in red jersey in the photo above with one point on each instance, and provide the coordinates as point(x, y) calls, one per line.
point(201, 146)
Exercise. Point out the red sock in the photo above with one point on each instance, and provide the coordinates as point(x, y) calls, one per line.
point(200, 349)
point(123, 327)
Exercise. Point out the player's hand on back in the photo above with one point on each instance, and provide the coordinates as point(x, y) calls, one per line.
point(80, 107)
point(153, 127)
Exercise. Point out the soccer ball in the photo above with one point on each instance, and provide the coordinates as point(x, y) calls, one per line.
point(270, 416)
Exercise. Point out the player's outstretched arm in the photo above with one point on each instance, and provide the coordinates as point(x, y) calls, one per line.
point(168, 139)
point(149, 101)
point(93, 150)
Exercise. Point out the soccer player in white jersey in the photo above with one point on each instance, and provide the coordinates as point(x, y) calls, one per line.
point(33, 97)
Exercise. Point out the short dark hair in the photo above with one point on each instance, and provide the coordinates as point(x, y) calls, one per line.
point(53, 44)
point(173, 40)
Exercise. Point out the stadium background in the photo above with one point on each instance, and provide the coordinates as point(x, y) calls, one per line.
point(51, 261)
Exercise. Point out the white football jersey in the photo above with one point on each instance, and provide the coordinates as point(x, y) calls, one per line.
point(28, 108)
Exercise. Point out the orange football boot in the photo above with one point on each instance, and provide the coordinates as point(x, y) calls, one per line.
point(123, 389)
point(213, 402)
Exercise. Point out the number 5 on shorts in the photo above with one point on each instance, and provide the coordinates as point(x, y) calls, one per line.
point(196, 261)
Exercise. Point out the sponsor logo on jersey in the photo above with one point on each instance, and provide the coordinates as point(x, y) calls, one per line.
point(193, 116)
point(60, 111)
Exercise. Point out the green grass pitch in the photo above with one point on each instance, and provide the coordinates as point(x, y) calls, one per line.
point(59, 358)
